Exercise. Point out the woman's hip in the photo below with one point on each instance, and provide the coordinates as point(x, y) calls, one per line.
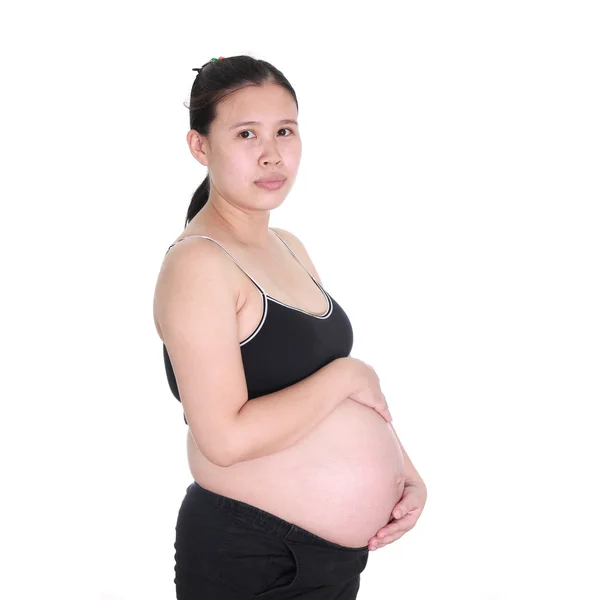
point(247, 552)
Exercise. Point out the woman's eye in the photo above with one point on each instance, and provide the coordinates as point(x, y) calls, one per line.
point(248, 131)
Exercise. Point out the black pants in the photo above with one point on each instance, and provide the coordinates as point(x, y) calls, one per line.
point(226, 549)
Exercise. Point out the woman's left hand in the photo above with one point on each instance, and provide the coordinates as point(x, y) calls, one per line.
point(404, 515)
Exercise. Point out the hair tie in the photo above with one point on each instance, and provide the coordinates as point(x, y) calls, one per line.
point(200, 69)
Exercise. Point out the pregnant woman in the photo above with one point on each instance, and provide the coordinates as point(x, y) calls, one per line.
point(295, 463)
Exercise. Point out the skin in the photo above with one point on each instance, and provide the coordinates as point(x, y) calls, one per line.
point(235, 158)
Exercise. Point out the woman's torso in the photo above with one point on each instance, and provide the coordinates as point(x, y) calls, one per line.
point(340, 481)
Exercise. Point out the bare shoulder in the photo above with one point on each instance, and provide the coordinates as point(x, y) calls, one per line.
point(299, 249)
point(192, 264)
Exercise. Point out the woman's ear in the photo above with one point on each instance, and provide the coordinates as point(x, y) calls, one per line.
point(197, 144)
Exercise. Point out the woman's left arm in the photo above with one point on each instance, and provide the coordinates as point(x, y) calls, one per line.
point(409, 508)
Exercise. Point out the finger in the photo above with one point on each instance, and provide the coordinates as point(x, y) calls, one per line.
point(376, 543)
point(380, 543)
point(386, 415)
point(388, 412)
point(399, 510)
point(390, 529)
point(385, 404)
point(402, 509)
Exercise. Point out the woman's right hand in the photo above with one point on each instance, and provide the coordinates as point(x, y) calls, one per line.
point(368, 389)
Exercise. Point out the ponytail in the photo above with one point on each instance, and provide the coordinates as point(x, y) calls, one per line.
point(199, 199)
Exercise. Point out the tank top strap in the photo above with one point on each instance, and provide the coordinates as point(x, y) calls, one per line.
point(294, 255)
point(226, 252)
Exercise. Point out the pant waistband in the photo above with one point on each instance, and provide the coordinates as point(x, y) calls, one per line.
point(270, 522)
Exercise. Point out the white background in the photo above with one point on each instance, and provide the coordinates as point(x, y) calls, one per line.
point(448, 195)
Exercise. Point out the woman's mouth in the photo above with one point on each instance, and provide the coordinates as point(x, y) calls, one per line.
point(270, 185)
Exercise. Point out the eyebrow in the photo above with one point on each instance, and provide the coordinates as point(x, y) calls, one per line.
point(258, 123)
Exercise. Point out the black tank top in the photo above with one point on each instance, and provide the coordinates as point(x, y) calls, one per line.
point(288, 344)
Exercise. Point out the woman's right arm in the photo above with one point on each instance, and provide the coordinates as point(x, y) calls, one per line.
point(275, 421)
point(195, 306)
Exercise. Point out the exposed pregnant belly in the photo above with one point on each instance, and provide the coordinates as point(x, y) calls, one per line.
point(341, 481)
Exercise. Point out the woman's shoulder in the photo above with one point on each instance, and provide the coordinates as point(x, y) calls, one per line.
point(290, 239)
point(299, 250)
point(194, 259)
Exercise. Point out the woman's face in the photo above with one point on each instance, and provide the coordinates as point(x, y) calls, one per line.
point(237, 155)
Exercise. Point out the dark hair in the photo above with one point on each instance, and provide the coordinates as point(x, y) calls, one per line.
point(216, 80)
